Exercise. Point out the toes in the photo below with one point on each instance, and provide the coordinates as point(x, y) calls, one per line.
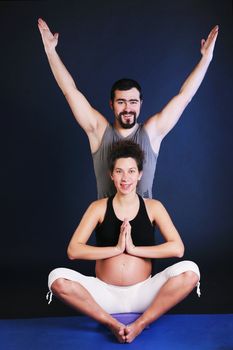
point(121, 331)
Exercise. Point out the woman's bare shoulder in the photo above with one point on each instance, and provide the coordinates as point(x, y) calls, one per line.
point(154, 208)
point(98, 207)
point(152, 203)
point(99, 203)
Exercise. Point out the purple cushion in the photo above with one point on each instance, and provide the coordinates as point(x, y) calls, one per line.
point(126, 318)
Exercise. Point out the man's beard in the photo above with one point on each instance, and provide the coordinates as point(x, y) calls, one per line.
point(126, 125)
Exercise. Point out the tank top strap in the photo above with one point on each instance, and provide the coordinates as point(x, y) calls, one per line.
point(110, 211)
point(143, 211)
point(142, 203)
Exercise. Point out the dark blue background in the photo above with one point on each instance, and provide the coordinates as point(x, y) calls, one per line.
point(47, 177)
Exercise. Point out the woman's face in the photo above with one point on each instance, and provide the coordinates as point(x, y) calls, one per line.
point(126, 175)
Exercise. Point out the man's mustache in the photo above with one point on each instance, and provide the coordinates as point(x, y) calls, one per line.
point(127, 113)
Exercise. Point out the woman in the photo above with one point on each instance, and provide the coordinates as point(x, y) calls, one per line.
point(124, 227)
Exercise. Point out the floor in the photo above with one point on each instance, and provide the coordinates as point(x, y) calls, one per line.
point(170, 332)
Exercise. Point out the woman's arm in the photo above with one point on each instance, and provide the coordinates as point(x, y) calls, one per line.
point(78, 249)
point(173, 246)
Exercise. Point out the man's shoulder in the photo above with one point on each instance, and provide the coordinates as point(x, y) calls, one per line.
point(109, 130)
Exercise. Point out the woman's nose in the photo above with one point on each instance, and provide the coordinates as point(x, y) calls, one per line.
point(124, 177)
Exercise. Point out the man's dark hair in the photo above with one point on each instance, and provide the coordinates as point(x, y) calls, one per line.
point(126, 149)
point(125, 84)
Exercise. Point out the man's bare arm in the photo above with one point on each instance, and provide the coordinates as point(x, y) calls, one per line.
point(161, 123)
point(92, 122)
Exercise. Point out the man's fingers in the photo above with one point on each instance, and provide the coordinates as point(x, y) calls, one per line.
point(213, 34)
point(42, 23)
point(215, 29)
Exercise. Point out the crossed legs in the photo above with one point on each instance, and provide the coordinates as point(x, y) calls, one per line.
point(75, 295)
point(171, 293)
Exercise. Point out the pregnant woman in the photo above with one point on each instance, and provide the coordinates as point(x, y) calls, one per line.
point(124, 228)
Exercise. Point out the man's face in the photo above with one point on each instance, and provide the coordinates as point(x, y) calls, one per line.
point(126, 107)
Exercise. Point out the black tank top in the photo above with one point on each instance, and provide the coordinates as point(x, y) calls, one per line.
point(142, 230)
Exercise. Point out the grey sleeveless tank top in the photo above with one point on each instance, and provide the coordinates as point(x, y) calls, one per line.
point(105, 186)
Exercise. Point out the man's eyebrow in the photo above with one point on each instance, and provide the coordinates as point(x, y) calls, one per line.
point(132, 167)
point(130, 100)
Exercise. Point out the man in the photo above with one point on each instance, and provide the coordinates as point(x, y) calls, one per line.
point(126, 101)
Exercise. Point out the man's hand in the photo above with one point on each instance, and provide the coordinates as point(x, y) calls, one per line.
point(207, 46)
point(49, 40)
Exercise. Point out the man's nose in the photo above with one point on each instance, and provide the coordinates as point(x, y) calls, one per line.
point(127, 106)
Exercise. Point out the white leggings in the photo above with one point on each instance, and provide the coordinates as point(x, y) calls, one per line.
point(123, 299)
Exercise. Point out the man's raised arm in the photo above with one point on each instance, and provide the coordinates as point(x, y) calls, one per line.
point(88, 118)
point(161, 123)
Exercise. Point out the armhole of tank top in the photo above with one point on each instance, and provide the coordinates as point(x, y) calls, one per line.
point(149, 143)
point(110, 207)
point(142, 202)
point(107, 207)
point(108, 127)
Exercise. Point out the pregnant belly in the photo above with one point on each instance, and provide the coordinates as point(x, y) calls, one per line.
point(123, 270)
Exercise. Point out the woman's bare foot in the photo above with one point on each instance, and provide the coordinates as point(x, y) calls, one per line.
point(118, 329)
point(133, 330)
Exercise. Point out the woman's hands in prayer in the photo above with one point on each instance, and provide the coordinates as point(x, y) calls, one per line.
point(125, 242)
